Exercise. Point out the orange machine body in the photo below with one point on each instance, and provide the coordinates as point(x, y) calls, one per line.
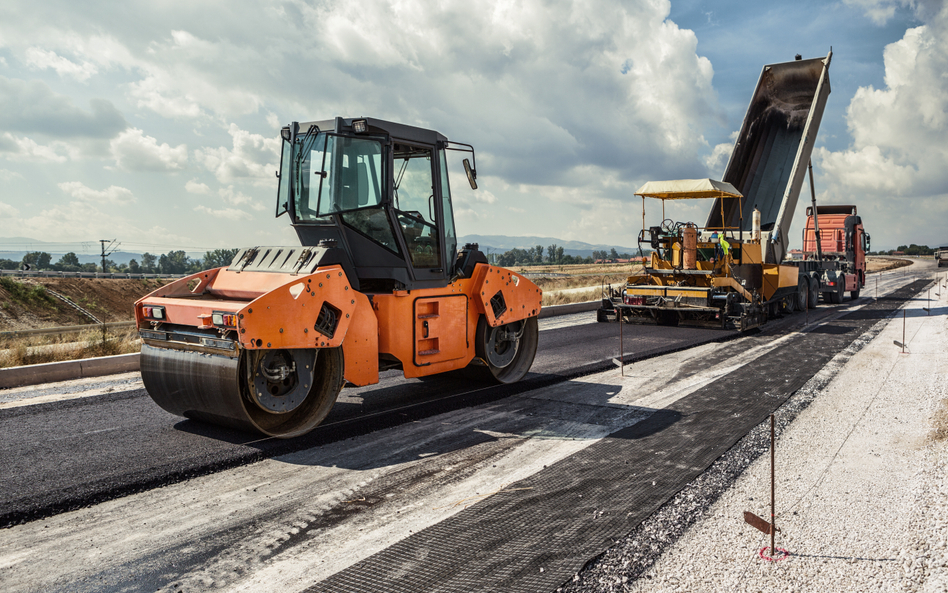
point(428, 331)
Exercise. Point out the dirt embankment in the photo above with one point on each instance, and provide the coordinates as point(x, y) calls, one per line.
point(881, 264)
point(24, 304)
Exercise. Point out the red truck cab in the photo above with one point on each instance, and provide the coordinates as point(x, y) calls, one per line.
point(842, 238)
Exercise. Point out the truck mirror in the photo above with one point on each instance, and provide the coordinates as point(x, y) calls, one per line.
point(471, 174)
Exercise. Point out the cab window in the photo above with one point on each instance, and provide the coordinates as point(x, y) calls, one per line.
point(415, 205)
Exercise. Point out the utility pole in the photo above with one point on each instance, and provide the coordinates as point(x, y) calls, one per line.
point(107, 250)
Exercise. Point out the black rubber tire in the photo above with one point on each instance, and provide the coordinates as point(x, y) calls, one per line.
point(802, 291)
point(814, 288)
point(836, 297)
point(667, 318)
point(522, 360)
point(854, 294)
point(788, 304)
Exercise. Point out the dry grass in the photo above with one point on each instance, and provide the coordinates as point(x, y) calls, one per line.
point(42, 349)
point(558, 298)
point(881, 264)
point(579, 275)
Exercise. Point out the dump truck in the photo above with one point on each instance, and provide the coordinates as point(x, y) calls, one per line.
point(752, 216)
point(377, 283)
point(941, 256)
point(836, 263)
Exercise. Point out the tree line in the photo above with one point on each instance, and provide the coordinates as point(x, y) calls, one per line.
point(534, 256)
point(173, 262)
point(913, 249)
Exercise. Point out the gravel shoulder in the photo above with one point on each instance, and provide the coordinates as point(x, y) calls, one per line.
point(861, 487)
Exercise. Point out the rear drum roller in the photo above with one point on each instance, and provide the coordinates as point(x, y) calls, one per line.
point(281, 393)
point(507, 350)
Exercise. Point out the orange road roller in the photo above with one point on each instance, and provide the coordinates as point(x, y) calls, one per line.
point(266, 343)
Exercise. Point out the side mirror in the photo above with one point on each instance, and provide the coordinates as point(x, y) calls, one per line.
point(471, 173)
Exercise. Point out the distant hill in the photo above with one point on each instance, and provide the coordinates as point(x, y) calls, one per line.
point(86, 251)
point(502, 243)
point(20, 246)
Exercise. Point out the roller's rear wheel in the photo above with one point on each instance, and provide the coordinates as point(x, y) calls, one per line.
point(288, 393)
point(280, 393)
point(507, 350)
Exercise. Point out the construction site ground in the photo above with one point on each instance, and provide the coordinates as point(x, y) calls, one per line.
point(518, 494)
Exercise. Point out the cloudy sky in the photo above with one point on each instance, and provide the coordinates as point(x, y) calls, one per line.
point(156, 123)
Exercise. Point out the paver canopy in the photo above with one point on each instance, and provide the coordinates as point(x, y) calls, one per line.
point(682, 189)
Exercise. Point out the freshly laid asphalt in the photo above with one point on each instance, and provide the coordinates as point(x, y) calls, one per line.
point(558, 518)
point(74, 453)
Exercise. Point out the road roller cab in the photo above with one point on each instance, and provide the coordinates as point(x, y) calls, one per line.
point(378, 283)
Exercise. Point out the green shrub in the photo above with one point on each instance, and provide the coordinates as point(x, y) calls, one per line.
point(30, 294)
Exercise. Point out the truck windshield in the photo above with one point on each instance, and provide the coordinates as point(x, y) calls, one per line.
point(336, 174)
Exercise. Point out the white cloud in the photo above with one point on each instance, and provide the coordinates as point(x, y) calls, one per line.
point(134, 151)
point(228, 213)
point(899, 150)
point(42, 59)
point(111, 195)
point(232, 196)
point(195, 187)
point(592, 94)
point(253, 156)
point(187, 76)
point(82, 220)
point(717, 160)
point(6, 210)
point(32, 107)
point(7, 175)
point(27, 149)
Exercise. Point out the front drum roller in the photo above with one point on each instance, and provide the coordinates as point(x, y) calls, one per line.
point(280, 393)
point(507, 350)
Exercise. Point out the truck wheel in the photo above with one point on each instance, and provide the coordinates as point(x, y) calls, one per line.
point(854, 294)
point(836, 297)
point(802, 291)
point(788, 304)
point(814, 287)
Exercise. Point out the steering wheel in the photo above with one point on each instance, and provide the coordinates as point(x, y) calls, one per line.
point(669, 226)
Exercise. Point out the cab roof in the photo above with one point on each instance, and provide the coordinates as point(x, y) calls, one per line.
point(379, 126)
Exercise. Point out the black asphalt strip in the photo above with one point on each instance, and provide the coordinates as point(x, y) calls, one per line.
point(540, 531)
point(71, 454)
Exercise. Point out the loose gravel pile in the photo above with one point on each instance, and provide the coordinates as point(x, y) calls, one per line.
point(862, 493)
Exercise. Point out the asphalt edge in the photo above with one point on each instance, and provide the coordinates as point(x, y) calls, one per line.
point(53, 372)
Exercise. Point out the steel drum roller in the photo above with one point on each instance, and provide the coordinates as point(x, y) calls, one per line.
point(222, 390)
